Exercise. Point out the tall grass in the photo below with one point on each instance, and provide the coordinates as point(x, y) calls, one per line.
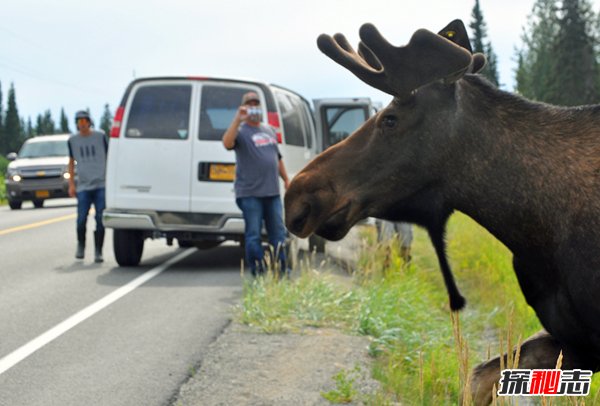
point(3, 165)
point(422, 353)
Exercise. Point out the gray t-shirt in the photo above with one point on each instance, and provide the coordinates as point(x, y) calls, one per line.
point(257, 162)
point(90, 153)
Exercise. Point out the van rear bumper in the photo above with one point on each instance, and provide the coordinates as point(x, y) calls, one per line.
point(209, 223)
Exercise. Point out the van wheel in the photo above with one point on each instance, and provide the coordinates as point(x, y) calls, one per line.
point(128, 246)
point(38, 204)
point(15, 204)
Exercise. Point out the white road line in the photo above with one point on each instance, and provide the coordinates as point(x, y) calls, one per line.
point(26, 350)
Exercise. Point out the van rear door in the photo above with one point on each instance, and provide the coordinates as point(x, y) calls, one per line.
point(212, 165)
point(153, 154)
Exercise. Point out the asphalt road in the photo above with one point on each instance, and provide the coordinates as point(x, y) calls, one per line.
point(77, 333)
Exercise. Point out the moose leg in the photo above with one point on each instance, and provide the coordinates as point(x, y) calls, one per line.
point(540, 351)
point(436, 235)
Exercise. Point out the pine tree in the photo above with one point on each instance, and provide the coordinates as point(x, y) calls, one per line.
point(39, 125)
point(12, 127)
point(29, 130)
point(64, 122)
point(45, 124)
point(49, 125)
point(479, 43)
point(574, 67)
point(534, 59)
point(106, 120)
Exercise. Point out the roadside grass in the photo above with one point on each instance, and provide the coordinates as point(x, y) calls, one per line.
point(3, 198)
point(3, 165)
point(423, 353)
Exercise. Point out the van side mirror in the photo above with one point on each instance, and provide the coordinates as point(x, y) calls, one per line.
point(11, 156)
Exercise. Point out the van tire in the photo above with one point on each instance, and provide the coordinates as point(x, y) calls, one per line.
point(128, 246)
point(15, 204)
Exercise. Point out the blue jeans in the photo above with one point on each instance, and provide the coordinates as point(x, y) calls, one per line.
point(255, 210)
point(85, 199)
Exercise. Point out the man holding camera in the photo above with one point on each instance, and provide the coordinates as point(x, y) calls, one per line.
point(258, 167)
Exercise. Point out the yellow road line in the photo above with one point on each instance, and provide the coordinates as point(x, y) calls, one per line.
point(38, 224)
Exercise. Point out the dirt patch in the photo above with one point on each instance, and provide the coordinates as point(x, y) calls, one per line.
point(243, 367)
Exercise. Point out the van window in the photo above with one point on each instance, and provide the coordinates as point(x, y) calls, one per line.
point(341, 122)
point(291, 117)
point(160, 112)
point(218, 106)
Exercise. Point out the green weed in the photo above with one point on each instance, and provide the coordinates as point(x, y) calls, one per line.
point(344, 391)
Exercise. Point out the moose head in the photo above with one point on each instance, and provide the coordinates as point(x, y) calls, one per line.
point(449, 140)
point(400, 149)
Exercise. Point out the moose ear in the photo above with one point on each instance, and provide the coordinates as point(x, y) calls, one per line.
point(456, 32)
point(478, 62)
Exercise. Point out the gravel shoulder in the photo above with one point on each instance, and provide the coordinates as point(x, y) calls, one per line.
point(243, 367)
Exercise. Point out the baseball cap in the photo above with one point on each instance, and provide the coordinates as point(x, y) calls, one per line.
point(250, 96)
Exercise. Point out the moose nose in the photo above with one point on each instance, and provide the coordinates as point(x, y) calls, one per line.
point(296, 219)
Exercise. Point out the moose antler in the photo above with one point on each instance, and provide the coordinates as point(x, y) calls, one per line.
point(397, 70)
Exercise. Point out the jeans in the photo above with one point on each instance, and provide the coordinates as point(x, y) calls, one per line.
point(85, 199)
point(255, 210)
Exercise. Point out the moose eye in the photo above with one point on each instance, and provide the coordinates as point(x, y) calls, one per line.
point(389, 121)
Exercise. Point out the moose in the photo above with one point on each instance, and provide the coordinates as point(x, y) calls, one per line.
point(450, 141)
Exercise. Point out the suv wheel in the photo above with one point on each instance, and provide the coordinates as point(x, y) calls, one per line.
point(128, 246)
point(38, 204)
point(15, 204)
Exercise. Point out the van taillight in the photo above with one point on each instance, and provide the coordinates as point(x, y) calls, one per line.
point(116, 127)
point(273, 119)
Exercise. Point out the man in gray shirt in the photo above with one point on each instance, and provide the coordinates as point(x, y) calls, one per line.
point(258, 167)
point(89, 149)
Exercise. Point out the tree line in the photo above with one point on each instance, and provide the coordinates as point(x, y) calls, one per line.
point(557, 63)
point(14, 129)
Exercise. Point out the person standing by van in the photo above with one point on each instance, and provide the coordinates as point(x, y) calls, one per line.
point(89, 149)
point(258, 167)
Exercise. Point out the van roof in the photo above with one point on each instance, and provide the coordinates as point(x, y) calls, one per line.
point(261, 84)
point(44, 138)
point(200, 78)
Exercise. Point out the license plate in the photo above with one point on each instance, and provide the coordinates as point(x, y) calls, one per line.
point(222, 172)
point(40, 194)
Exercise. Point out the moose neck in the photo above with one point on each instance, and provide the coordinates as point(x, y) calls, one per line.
point(509, 162)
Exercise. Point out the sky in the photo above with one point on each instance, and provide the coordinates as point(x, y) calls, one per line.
point(82, 54)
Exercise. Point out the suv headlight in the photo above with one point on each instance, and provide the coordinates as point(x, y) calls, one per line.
point(13, 174)
point(65, 173)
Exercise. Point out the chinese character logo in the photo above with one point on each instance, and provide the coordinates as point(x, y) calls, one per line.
point(546, 382)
